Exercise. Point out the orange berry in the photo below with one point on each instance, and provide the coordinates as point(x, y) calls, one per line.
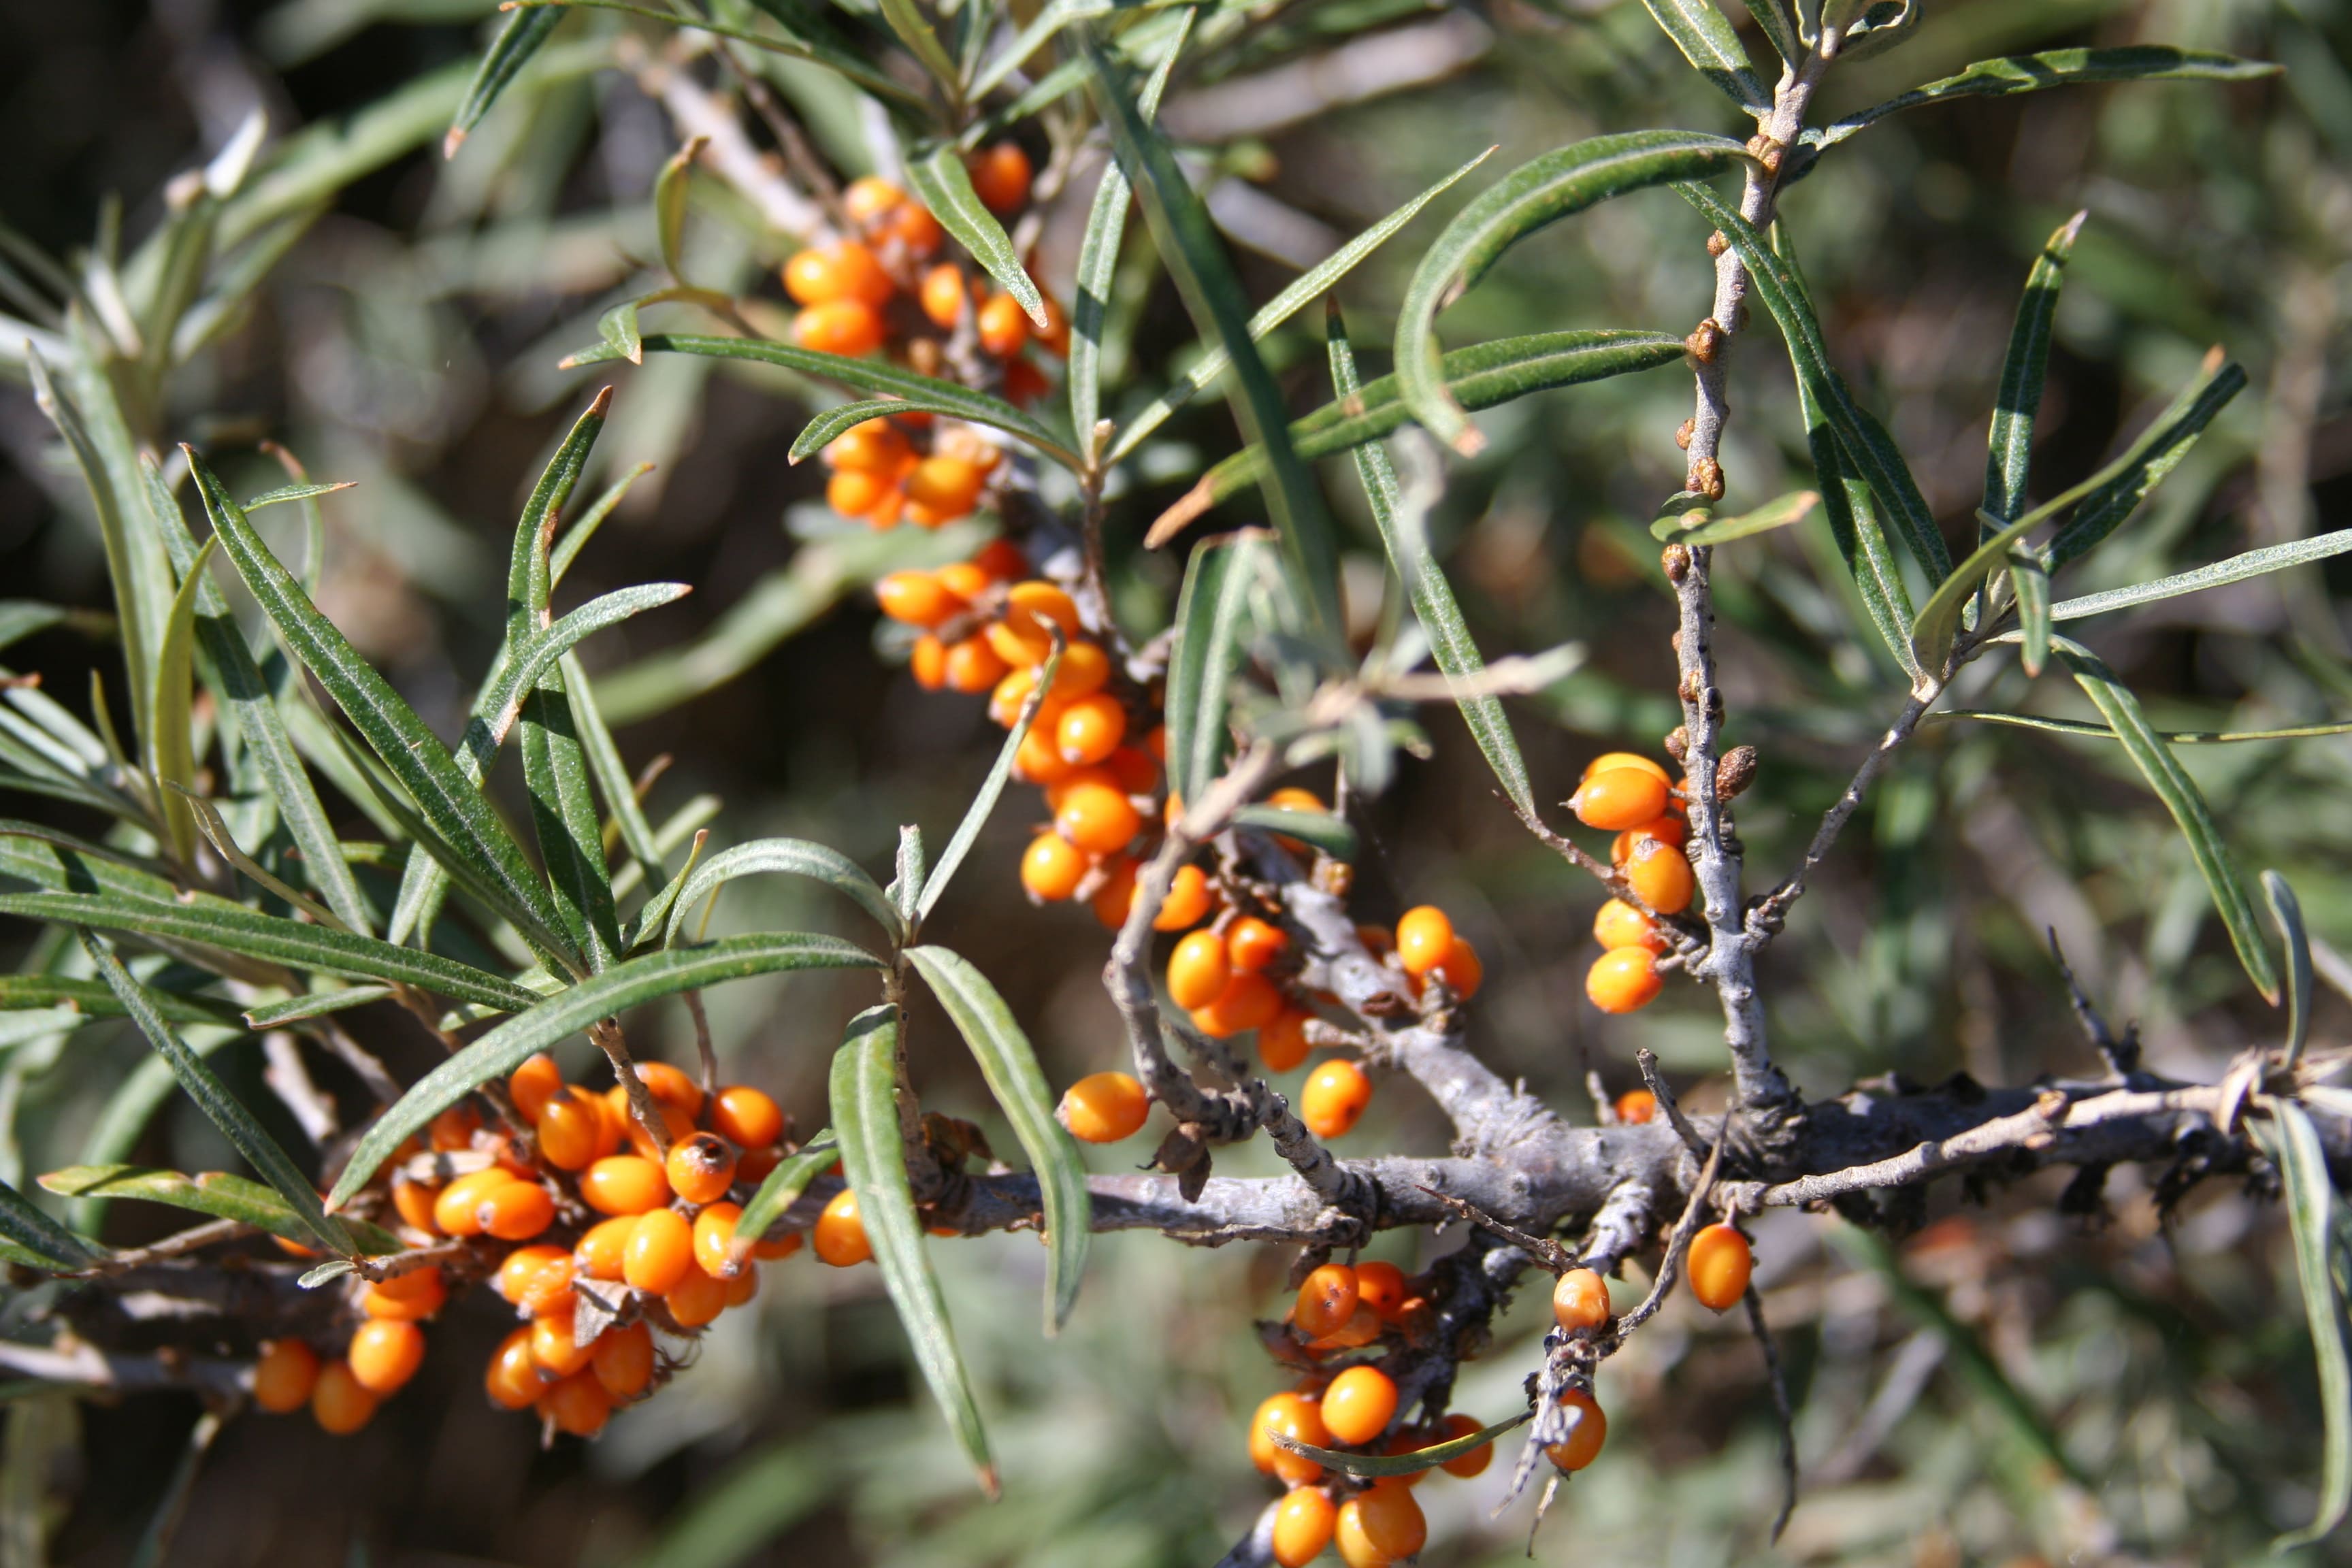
point(1021, 636)
point(1251, 944)
point(854, 492)
point(1292, 798)
point(1423, 937)
point(1327, 1299)
point(843, 270)
point(671, 1086)
point(839, 1235)
point(1636, 1106)
point(1623, 980)
point(1003, 326)
point(1460, 969)
point(1666, 828)
point(339, 1401)
point(409, 1297)
point(454, 1127)
point(1090, 727)
point(701, 1168)
point(913, 226)
point(1189, 903)
point(413, 1202)
point(917, 598)
point(971, 666)
point(949, 486)
point(512, 1379)
point(714, 1240)
point(385, 1353)
point(1116, 895)
point(1620, 924)
point(695, 1300)
point(1456, 1426)
point(745, 1285)
point(623, 1361)
point(1376, 1528)
point(603, 1253)
point(851, 328)
point(1582, 1446)
point(284, 1374)
point(875, 447)
point(1363, 1327)
point(679, 1124)
point(457, 1211)
point(1360, 1404)
point(1718, 1263)
point(1660, 874)
point(1303, 1521)
point(529, 1084)
point(1104, 1108)
point(1000, 176)
point(519, 1278)
point(745, 1117)
point(623, 1184)
point(869, 197)
point(887, 511)
point(1607, 760)
point(1098, 818)
point(517, 1210)
point(1038, 761)
point(1132, 769)
point(1580, 1300)
point(1198, 969)
point(553, 1350)
point(1334, 1098)
point(1282, 1044)
point(578, 1404)
point(1051, 867)
point(928, 662)
point(1619, 797)
point(573, 1131)
point(1002, 560)
point(1297, 1418)
point(943, 294)
point(1248, 1002)
point(1381, 1287)
point(660, 1251)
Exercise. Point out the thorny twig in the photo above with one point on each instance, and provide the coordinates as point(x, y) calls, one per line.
point(1647, 1060)
point(2121, 1056)
point(1756, 1324)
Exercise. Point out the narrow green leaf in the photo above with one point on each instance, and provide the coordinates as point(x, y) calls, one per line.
point(2029, 580)
point(1938, 621)
point(215, 831)
point(1213, 623)
point(877, 82)
point(1009, 1063)
point(819, 431)
point(575, 537)
point(215, 1193)
point(792, 856)
point(984, 800)
point(1315, 283)
point(2287, 909)
point(173, 744)
point(611, 773)
point(911, 869)
point(1559, 184)
point(669, 207)
point(2101, 731)
point(1409, 1464)
point(2009, 450)
point(914, 30)
point(1779, 25)
point(20, 618)
point(783, 1188)
point(525, 32)
point(300, 492)
point(294, 944)
point(1706, 41)
point(940, 182)
point(2310, 1198)
point(2054, 67)
point(628, 985)
point(315, 1004)
point(864, 1094)
point(1854, 527)
point(2236, 569)
point(19, 992)
point(1197, 262)
point(213, 1098)
point(2115, 492)
point(50, 1244)
point(1780, 513)
point(1328, 833)
point(2187, 803)
point(571, 833)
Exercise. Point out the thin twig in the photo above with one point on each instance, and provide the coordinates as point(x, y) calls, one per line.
point(1772, 912)
point(1550, 1253)
point(1756, 1324)
point(1670, 1265)
point(1647, 1060)
point(2121, 1056)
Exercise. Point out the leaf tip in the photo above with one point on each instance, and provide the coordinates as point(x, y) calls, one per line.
point(452, 141)
point(989, 1484)
point(598, 409)
point(1172, 522)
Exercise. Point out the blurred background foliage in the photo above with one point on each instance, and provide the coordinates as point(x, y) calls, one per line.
point(2009, 1384)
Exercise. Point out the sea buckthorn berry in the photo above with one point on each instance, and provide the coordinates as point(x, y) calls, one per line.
point(744, 1286)
point(971, 666)
point(553, 1350)
point(409, 1297)
point(1116, 895)
point(517, 1278)
point(1623, 980)
point(887, 513)
point(1718, 1263)
point(1581, 1445)
point(1003, 326)
point(854, 492)
point(512, 1379)
point(339, 1401)
point(961, 578)
point(1303, 1521)
point(457, 1211)
point(839, 1236)
point(454, 1127)
point(517, 1210)
point(1607, 760)
point(578, 1404)
point(1090, 727)
point(1292, 798)
point(916, 598)
point(623, 1184)
point(714, 1240)
point(1619, 797)
point(1282, 1044)
point(912, 226)
point(1666, 828)
point(1081, 673)
point(284, 1374)
point(413, 1202)
point(1460, 969)
point(843, 270)
point(1327, 1299)
point(623, 1361)
point(1660, 875)
point(1000, 176)
point(869, 197)
point(1424, 936)
point(385, 1353)
point(660, 1251)
point(1458, 1426)
point(1379, 1526)
point(1334, 1098)
point(746, 1117)
point(1251, 944)
point(943, 294)
point(1051, 867)
point(768, 1249)
point(676, 1123)
point(1297, 1418)
point(1363, 1327)
point(1038, 761)
point(928, 662)
point(1248, 1002)
point(1133, 770)
point(695, 1300)
point(1191, 899)
point(603, 1253)
point(531, 1083)
point(851, 328)
point(573, 1131)
point(1580, 1300)
point(701, 1168)
point(1098, 818)
point(1028, 606)
point(1359, 1403)
point(1198, 969)
point(1636, 1106)
point(671, 1086)
point(1381, 1286)
point(875, 446)
point(949, 486)
point(1104, 1107)
point(1620, 924)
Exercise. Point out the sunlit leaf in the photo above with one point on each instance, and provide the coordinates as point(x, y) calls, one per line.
point(2310, 1198)
point(215, 1193)
point(2008, 448)
point(941, 183)
point(1213, 624)
point(792, 856)
point(2054, 67)
point(2288, 911)
point(525, 32)
point(2236, 569)
point(832, 421)
point(1706, 41)
point(984, 799)
point(783, 1188)
point(2102, 502)
point(1412, 1463)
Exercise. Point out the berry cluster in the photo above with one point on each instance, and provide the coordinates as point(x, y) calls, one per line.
point(583, 1220)
point(1635, 798)
point(1339, 1309)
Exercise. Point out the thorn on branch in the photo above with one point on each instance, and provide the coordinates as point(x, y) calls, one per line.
point(2122, 1055)
point(1647, 1060)
point(1756, 1324)
point(1547, 1253)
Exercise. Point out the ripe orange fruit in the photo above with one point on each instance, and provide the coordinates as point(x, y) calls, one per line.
point(284, 1374)
point(1115, 896)
point(695, 1300)
point(454, 1127)
point(701, 1168)
point(1090, 727)
point(746, 1284)
point(1054, 337)
point(1661, 875)
point(553, 1350)
point(578, 1404)
point(1609, 761)
point(1580, 1300)
point(457, 1211)
point(517, 1210)
point(660, 1251)
point(949, 486)
point(623, 1361)
point(913, 226)
point(971, 666)
point(1293, 1416)
point(1668, 828)
point(943, 294)
point(1377, 1527)
point(1334, 1098)
point(1363, 1327)
point(1620, 924)
point(1381, 1286)
point(851, 328)
point(714, 1240)
point(854, 492)
point(1000, 176)
point(1619, 797)
point(1327, 1299)
point(413, 1202)
point(671, 1086)
point(623, 1184)
point(518, 1278)
point(839, 1236)
point(1098, 818)
point(916, 598)
point(339, 1401)
point(1292, 798)
point(1581, 1445)
point(1198, 969)
point(1457, 1425)
point(677, 1124)
point(530, 1085)
point(603, 1253)
point(1051, 867)
point(1021, 638)
point(1189, 903)
point(869, 197)
point(875, 447)
point(1636, 1106)
point(1282, 1044)
point(1104, 1107)
point(1360, 1404)
point(843, 270)
point(1003, 326)
point(1460, 969)
point(1720, 1262)
point(1423, 937)
point(385, 1353)
point(1302, 1526)
point(512, 1379)
point(746, 1117)
point(419, 1293)
point(1248, 1002)
point(928, 662)
point(1623, 980)
point(573, 1131)
point(1251, 944)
